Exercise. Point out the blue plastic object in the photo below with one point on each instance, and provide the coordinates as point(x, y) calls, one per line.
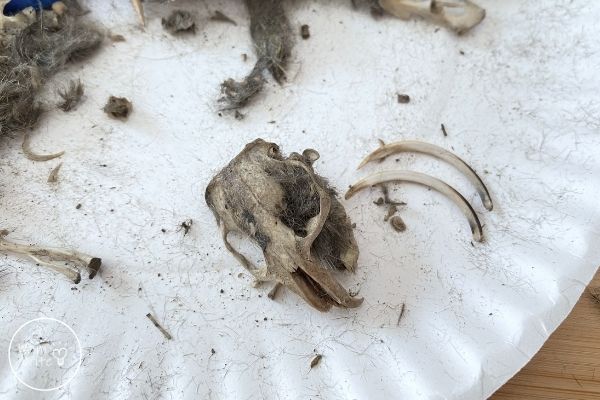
point(15, 6)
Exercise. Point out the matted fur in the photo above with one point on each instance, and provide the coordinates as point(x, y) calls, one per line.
point(31, 56)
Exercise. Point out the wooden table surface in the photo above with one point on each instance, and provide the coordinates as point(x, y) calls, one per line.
point(568, 366)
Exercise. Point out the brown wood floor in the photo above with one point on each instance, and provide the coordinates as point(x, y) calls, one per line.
point(568, 366)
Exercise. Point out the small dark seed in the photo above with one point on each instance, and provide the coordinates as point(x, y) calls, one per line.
point(304, 32)
point(403, 98)
point(315, 361)
point(397, 223)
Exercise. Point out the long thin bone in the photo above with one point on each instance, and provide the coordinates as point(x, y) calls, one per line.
point(426, 180)
point(49, 257)
point(389, 149)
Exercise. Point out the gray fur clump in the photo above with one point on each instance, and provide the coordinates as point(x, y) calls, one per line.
point(180, 21)
point(31, 56)
point(19, 84)
point(118, 107)
point(71, 95)
point(272, 36)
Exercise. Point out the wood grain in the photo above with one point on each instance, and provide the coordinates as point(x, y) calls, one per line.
point(568, 366)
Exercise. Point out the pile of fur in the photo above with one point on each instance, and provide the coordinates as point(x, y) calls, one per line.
point(29, 57)
point(271, 32)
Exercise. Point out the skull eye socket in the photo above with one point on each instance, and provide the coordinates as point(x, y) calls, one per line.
point(274, 152)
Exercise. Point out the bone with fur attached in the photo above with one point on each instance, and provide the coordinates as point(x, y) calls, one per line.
point(293, 215)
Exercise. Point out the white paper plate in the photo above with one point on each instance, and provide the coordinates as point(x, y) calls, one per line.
point(521, 105)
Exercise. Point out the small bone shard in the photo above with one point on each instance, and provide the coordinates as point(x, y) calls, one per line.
point(180, 21)
point(116, 37)
point(293, 215)
point(158, 326)
point(389, 149)
point(53, 176)
point(71, 95)
point(118, 107)
point(402, 309)
point(458, 15)
point(220, 17)
point(59, 7)
point(67, 262)
point(383, 177)
point(139, 10)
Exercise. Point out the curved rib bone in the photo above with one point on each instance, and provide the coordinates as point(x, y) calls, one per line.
point(426, 180)
point(437, 152)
